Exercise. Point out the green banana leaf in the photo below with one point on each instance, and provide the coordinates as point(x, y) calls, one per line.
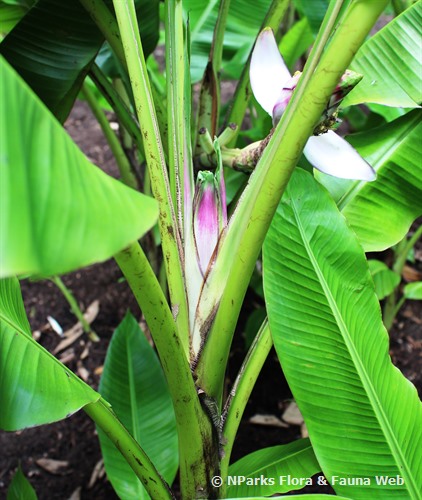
point(295, 459)
point(385, 280)
point(382, 212)
point(20, 488)
point(9, 17)
point(55, 43)
point(387, 112)
point(35, 388)
point(25, 4)
point(58, 211)
point(316, 496)
point(52, 48)
point(134, 384)
point(363, 416)
point(413, 291)
point(390, 64)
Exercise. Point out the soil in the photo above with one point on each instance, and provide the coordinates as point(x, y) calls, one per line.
point(73, 441)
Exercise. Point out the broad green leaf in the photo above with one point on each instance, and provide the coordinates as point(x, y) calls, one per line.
point(316, 496)
point(26, 4)
point(413, 291)
point(385, 280)
point(52, 48)
point(390, 64)
point(9, 17)
point(134, 384)
point(363, 416)
point(54, 45)
point(58, 211)
point(20, 488)
point(35, 388)
point(387, 112)
point(381, 212)
point(278, 464)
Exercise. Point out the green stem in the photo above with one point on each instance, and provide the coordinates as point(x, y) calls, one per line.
point(116, 148)
point(122, 111)
point(216, 54)
point(109, 28)
point(175, 97)
point(242, 160)
point(194, 428)
point(397, 309)
point(170, 235)
point(404, 251)
point(242, 388)
point(106, 23)
point(120, 91)
point(209, 96)
point(243, 90)
point(216, 58)
point(105, 418)
point(324, 33)
point(67, 294)
point(250, 221)
point(390, 307)
point(161, 111)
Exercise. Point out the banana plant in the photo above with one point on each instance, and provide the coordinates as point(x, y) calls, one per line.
point(164, 410)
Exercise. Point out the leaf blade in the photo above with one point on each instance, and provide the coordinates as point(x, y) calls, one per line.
point(134, 384)
point(385, 280)
point(20, 488)
point(390, 64)
point(295, 459)
point(327, 330)
point(58, 211)
point(382, 212)
point(32, 381)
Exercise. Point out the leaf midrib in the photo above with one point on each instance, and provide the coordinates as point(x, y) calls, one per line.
point(44, 351)
point(133, 406)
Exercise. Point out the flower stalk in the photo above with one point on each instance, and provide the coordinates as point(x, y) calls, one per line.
point(154, 154)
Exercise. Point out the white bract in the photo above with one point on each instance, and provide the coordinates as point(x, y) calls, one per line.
point(206, 217)
point(273, 85)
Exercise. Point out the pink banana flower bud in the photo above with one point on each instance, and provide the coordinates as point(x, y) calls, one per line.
point(206, 217)
point(209, 216)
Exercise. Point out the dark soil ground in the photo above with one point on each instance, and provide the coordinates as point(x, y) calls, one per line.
point(74, 441)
